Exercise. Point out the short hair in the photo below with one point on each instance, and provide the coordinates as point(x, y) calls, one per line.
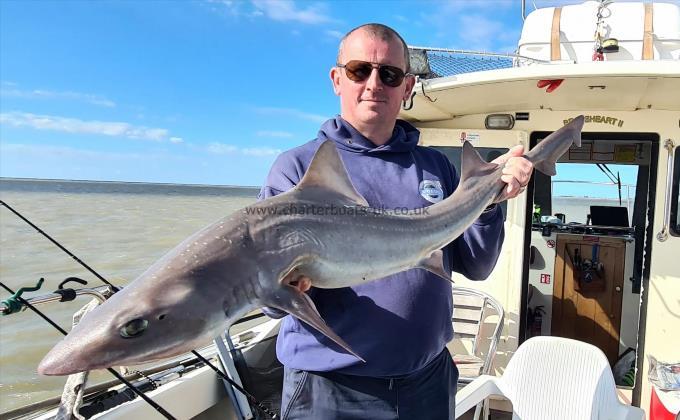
point(381, 31)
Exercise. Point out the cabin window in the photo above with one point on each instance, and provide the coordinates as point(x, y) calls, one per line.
point(487, 153)
point(675, 199)
point(580, 189)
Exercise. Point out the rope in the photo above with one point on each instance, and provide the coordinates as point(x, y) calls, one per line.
point(600, 31)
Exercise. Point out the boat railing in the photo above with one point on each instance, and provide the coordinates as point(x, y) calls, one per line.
point(101, 293)
point(432, 62)
point(627, 198)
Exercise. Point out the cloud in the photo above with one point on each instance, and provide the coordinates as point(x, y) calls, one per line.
point(480, 32)
point(221, 148)
point(231, 8)
point(67, 152)
point(228, 149)
point(292, 112)
point(287, 11)
point(454, 6)
point(280, 134)
point(307, 13)
point(552, 3)
point(335, 34)
point(462, 25)
point(260, 151)
point(48, 94)
point(20, 159)
point(76, 126)
point(176, 140)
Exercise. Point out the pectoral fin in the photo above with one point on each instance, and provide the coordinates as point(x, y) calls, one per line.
point(435, 265)
point(299, 305)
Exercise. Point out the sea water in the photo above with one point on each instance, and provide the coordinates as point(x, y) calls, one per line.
point(118, 229)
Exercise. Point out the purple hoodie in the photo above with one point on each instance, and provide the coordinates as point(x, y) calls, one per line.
point(399, 323)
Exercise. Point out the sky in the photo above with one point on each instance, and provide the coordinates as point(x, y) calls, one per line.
point(195, 92)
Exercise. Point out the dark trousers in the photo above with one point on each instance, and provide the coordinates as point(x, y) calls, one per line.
point(423, 395)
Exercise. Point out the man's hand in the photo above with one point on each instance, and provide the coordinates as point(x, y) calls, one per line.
point(302, 283)
point(516, 171)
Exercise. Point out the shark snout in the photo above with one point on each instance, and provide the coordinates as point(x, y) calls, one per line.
point(55, 364)
point(88, 346)
point(63, 360)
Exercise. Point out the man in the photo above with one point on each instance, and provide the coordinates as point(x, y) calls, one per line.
point(400, 324)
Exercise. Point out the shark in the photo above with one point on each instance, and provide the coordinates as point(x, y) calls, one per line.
point(254, 257)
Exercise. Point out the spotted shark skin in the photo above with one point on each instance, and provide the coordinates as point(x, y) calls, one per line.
point(250, 258)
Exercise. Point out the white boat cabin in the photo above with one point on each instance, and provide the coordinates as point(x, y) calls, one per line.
point(586, 258)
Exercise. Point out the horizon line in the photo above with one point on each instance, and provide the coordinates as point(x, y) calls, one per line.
point(2, 178)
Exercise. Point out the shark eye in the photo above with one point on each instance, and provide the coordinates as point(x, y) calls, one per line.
point(134, 328)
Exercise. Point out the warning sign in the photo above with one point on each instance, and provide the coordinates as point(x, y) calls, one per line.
point(466, 136)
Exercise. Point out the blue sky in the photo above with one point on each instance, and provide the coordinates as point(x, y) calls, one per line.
point(201, 92)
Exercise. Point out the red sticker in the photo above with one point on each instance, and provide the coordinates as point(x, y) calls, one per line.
point(545, 278)
point(550, 243)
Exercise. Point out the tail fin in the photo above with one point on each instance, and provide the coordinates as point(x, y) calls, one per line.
point(549, 150)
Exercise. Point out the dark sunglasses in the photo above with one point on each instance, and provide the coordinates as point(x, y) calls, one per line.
point(359, 71)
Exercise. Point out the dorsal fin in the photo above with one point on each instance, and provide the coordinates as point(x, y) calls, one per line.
point(472, 164)
point(326, 173)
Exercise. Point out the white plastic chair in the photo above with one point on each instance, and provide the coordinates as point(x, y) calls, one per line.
point(553, 378)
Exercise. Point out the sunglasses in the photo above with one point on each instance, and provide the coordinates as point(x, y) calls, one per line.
point(359, 71)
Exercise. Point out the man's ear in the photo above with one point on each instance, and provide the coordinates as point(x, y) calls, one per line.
point(335, 78)
point(408, 87)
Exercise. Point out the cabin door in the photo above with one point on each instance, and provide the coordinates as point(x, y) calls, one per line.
point(587, 300)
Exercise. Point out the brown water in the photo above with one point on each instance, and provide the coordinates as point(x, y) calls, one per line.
point(119, 229)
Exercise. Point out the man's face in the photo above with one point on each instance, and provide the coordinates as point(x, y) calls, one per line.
point(370, 102)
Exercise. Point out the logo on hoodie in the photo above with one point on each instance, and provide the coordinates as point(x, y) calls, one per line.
point(431, 190)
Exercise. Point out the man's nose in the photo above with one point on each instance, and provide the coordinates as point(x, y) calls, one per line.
point(373, 82)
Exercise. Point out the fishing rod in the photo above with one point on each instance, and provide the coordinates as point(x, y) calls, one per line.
point(111, 370)
point(69, 253)
point(251, 398)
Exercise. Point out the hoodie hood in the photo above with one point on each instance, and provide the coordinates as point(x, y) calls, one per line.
point(404, 137)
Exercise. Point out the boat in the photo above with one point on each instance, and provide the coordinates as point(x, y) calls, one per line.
point(600, 271)
point(553, 277)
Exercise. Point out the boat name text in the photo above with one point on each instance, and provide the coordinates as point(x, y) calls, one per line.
point(599, 119)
